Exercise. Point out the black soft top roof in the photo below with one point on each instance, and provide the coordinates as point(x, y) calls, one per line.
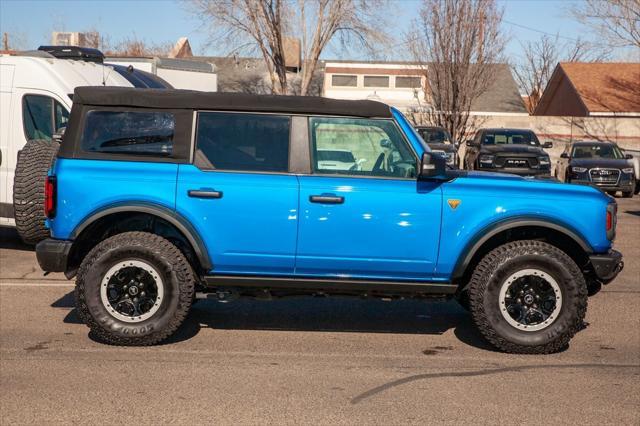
point(188, 99)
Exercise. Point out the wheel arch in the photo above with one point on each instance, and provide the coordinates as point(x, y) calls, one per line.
point(124, 217)
point(560, 235)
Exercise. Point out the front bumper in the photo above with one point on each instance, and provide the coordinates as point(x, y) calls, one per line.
point(625, 182)
point(607, 266)
point(53, 254)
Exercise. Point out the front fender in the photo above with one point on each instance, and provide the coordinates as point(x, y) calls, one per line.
point(493, 229)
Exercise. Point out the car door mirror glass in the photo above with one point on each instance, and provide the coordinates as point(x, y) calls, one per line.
point(564, 155)
point(547, 145)
point(628, 156)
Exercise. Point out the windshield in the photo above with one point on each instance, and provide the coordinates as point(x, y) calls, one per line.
point(597, 151)
point(435, 135)
point(507, 137)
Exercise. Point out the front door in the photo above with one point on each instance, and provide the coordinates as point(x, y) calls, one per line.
point(370, 219)
point(238, 193)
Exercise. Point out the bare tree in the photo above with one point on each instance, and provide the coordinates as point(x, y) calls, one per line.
point(265, 24)
point(540, 58)
point(458, 43)
point(133, 46)
point(617, 21)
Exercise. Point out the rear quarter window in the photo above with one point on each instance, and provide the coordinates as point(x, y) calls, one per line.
point(128, 132)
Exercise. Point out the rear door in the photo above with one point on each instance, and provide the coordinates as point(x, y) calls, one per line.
point(239, 194)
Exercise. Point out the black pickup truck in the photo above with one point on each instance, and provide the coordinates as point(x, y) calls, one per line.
point(516, 151)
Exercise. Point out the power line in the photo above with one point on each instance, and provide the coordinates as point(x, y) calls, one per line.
point(549, 34)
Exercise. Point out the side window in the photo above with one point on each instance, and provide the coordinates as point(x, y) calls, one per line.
point(243, 142)
point(60, 117)
point(360, 147)
point(42, 116)
point(128, 132)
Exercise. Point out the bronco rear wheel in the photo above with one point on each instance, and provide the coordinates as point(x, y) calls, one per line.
point(134, 288)
point(528, 297)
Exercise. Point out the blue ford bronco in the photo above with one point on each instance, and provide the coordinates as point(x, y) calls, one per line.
point(160, 197)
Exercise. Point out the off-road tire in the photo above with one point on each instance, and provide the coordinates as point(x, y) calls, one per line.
point(34, 162)
point(177, 275)
point(503, 261)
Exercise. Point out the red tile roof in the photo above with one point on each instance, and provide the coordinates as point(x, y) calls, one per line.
point(606, 87)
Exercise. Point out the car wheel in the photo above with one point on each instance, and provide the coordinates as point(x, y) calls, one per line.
point(637, 189)
point(528, 297)
point(34, 161)
point(628, 194)
point(134, 289)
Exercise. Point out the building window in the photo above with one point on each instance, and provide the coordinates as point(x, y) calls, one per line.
point(344, 80)
point(408, 82)
point(376, 81)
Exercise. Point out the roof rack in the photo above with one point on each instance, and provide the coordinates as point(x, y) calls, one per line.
point(77, 53)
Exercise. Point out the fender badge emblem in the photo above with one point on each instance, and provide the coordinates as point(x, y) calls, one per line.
point(453, 203)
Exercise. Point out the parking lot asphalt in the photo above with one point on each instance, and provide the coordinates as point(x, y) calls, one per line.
point(310, 360)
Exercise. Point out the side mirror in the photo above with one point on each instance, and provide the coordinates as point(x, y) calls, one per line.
point(547, 145)
point(385, 143)
point(470, 143)
point(628, 156)
point(564, 155)
point(57, 136)
point(433, 166)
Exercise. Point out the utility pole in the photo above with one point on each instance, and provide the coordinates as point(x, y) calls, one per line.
point(5, 41)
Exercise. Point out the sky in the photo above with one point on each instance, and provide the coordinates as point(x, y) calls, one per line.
point(29, 23)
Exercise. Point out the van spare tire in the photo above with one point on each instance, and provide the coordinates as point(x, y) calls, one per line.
point(34, 162)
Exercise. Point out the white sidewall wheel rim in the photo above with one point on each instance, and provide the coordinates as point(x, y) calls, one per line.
point(553, 316)
point(127, 264)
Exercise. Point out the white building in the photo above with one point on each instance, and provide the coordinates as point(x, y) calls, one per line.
point(400, 84)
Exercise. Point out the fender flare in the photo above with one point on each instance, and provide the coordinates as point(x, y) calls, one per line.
point(165, 213)
point(493, 229)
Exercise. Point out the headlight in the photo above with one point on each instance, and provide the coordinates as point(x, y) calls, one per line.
point(578, 169)
point(544, 161)
point(486, 159)
point(628, 170)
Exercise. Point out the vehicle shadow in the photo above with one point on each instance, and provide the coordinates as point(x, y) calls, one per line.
point(311, 314)
point(633, 212)
point(9, 239)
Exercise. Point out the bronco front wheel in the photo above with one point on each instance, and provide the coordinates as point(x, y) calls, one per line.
point(528, 297)
point(134, 288)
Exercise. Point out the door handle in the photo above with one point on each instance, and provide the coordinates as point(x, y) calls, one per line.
point(326, 199)
point(204, 193)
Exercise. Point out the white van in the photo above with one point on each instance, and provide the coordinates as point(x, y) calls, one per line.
point(36, 90)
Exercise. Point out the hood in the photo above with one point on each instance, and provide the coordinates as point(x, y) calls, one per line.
point(515, 149)
point(601, 162)
point(446, 147)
